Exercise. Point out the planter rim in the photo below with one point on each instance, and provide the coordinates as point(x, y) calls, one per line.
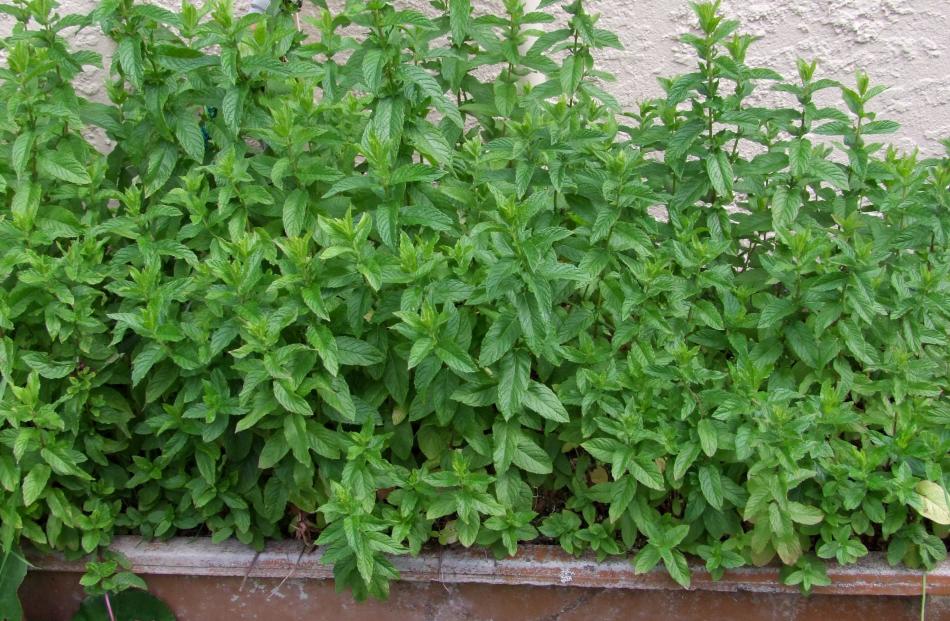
point(535, 565)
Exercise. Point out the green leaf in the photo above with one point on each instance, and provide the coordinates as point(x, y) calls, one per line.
point(711, 485)
point(684, 459)
point(46, 367)
point(646, 559)
point(371, 271)
point(513, 375)
point(34, 483)
point(647, 472)
point(189, 135)
point(321, 339)
point(21, 152)
point(467, 531)
point(775, 311)
point(789, 549)
point(336, 393)
point(505, 437)
point(232, 109)
point(804, 514)
point(430, 141)
point(295, 213)
point(408, 173)
point(707, 313)
point(130, 59)
point(720, 173)
point(455, 357)
point(460, 15)
point(499, 339)
point(62, 165)
point(683, 138)
point(603, 449)
point(429, 86)
point(506, 97)
point(420, 351)
point(295, 432)
point(288, 398)
point(387, 224)
point(476, 396)
point(374, 62)
point(571, 74)
point(350, 183)
point(9, 473)
point(856, 343)
point(161, 164)
point(64, 463)
point(256, 415)
point(143, 362)
point(833, 173)
point(274, 450)
point(13, 569)
point(933, 503)
point(799, 156)
point(880, 127)
point(542, 400)
point(623, 492)
point(206, 465)
point(786, 203)
point(803, 343)
point(677, 567)
point(354, 352)
point(530, 457)
point(708, 437)
point(313, 298)
point(229, 70)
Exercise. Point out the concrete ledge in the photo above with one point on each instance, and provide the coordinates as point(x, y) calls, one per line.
point(536, 565)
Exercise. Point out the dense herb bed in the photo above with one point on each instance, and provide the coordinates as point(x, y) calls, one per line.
point(342, 287)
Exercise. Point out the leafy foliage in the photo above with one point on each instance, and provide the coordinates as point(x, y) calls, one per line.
point(12, 571)
point(347, 285)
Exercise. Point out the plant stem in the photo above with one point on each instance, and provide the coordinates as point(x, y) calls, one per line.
point(109, 607)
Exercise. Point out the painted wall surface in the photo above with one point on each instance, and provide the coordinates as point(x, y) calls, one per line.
point(195, 598)
point(902, 43)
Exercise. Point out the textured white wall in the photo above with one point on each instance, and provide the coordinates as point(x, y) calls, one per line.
point(903, 43)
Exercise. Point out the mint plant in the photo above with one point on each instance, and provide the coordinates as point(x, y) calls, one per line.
point(343, 286)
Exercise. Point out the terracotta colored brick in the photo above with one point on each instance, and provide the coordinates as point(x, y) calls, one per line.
point(206, 582)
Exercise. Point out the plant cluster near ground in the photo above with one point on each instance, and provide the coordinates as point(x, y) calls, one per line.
point(418, 278)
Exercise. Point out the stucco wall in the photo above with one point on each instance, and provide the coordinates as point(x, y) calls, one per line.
point(903, 43)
